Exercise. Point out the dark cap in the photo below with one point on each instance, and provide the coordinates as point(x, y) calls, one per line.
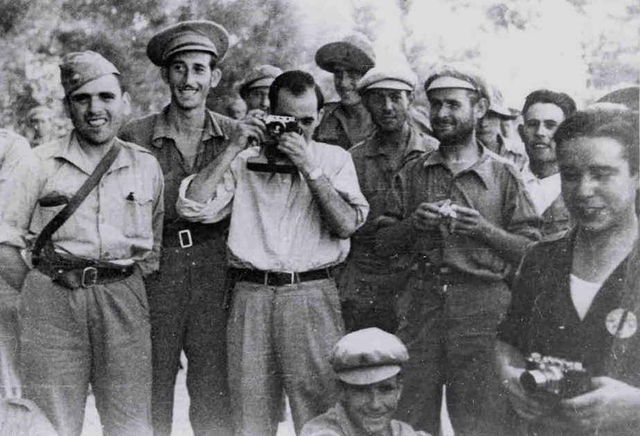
point(354, 52)
point(205, 36)
point(261, 76)
point(368, 356)
point(78, 68)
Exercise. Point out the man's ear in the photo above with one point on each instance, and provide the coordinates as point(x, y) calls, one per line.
point(481, 108)
point(164, 74)
point(320, 114)
point(521, 132)
point(216, 75)
point(67, 111)
point(126, 99)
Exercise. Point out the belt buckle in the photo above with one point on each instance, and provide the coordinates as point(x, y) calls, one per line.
point(181, 237)
point(89, 277)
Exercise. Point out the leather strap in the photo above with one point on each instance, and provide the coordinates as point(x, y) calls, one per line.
point(45, 235)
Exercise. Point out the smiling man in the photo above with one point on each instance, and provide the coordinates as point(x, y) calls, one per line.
point(186, 297)
point(368, 364)
point(255, 88)
point(84, 317)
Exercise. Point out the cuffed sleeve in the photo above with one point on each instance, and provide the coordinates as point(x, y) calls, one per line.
point(345, 182)
point(214, 210)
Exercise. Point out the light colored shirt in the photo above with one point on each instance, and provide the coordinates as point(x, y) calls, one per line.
point(582, 294)
point(276, 223)
point(543, 191)
point(120, 219)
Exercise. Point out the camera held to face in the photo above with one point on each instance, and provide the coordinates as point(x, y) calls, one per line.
point(558, 377)
point(274, 161)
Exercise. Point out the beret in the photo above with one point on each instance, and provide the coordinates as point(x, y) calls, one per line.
point(387, 78)
point(368, 356)
point(259, 77)
point(79, 68)
point(354, 52)
point(202, 35)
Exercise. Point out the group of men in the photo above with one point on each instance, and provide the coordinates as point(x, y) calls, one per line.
point(132, 242)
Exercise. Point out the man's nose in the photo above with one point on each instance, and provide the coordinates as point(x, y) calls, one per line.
point(388, 104)
point(376, 401)
point(586, 186)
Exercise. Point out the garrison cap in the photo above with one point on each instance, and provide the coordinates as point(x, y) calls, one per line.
point(261, 76)
point(368, 356)
point(387, 78)
point(78, 68)
point(354, 52)
point(456, 77)
point(497, 104)
point(202, 35)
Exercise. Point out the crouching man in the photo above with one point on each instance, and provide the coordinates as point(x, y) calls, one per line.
point(368, 364)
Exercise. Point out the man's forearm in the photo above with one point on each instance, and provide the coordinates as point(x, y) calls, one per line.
point(14, 269)
point(509, 245)
point(204, 184)
point(336, 212)
point(507, 358)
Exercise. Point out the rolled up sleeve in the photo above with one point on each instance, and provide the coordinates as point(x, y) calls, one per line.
point(212, 211)
point(345, 182)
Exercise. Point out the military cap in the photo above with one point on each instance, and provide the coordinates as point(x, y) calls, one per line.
point(368, 356)
point(78, 68)
point(354, 52)
point(261, 76)
point(202, 35)
point(628, 97)
point(451, 76)
point(387, 78)
point(497, 104)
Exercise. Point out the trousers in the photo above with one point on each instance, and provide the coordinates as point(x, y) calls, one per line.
point(186, 299)
point(281, 337)
point(99, 336)
point(449, 329)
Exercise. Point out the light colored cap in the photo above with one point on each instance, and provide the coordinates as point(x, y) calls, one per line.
point(497, 104)
point(205, 36)
point(451, 82)
point(354, 52)
point(262, 76)
point(368, 356)
point(78, 68)
point(458, 75)
point(388, 78)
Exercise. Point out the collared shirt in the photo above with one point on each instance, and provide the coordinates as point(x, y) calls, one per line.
point(275, 220)
point(155, 133)
point(339, 128)
point(547, 199)
point(120, 219)
point(375, 169)
point(491, 186)
point(336, 422)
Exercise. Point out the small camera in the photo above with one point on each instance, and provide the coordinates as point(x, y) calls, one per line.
point(276, 161)
point(558, 377)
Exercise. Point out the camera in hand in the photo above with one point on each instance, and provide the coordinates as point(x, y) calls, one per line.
point(551, 375)
point(274, 161)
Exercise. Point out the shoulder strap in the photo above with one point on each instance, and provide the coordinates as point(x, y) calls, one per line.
point(76, 200)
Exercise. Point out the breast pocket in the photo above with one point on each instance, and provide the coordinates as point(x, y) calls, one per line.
point(138, 215)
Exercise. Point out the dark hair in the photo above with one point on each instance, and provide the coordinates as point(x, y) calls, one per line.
point(560, 99)
point(297, 82)
point(621, 125)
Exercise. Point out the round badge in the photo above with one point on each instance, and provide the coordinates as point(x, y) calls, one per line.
point(621, 323)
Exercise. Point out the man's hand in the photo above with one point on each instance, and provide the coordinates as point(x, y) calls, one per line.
point(298, 150)
point(247, 132)
point(526, 406)
point(612, 403)
point(469, 222)
point(427, 216)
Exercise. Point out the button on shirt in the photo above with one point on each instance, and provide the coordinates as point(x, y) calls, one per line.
point(491, 185)
point(275, 220)
point(120, 219)
point(375, 173)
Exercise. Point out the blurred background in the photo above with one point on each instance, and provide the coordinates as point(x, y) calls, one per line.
point(583, 47)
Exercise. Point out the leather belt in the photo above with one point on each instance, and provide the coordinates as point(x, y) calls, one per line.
point(185, 234)
point(87, 276)
point(271, 278)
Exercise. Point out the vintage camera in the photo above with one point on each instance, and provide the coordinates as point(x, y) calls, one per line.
point(558, 377)
point(274, 161)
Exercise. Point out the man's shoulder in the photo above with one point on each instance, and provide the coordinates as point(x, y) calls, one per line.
point(140, 130)
point(400, 428)
point(12, 144)
point(326, 424)
point(225, 123)
point(51, 148)
point(331, 149)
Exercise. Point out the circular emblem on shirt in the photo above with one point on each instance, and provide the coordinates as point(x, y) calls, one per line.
point(621, 323)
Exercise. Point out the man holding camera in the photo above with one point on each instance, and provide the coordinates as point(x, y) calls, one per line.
point(463, 214)
point(369, 281)
point(287, 230)
point(577, 296)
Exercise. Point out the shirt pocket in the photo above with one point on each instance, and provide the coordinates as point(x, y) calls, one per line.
point(138, 216)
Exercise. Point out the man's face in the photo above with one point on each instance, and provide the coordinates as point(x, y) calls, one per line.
point(389, 108)
point(258, 98)
point(345, 81)
point(489, 127)
point(371, 407)
point(303, 107)
point(540, 123)
point(189, 76)
point(598, 186)
point(453, 115)
point(39, 128)
point(97, 109)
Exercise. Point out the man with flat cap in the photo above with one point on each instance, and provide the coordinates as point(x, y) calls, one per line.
point(255, 88)
point(95, 204)
point(368, 281)
point(463, 214)
point(186, 296)
point(39, 125)
point(368, 365)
